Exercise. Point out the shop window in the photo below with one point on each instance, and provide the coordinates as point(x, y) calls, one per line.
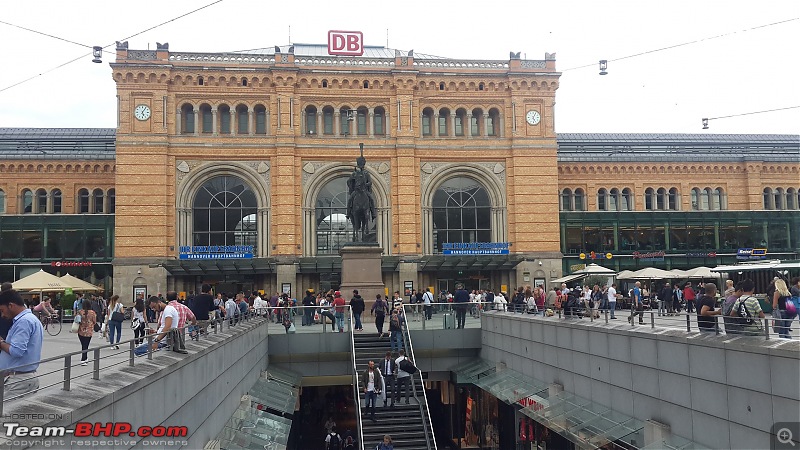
point(111, 198)
point(461, 213)
point(327, 120)
point(41, 201)
point(206, 119)
point(83, 201)
point(242, 120)
point(311, 120)
point(378, 121)
point(224, 213)
point(27, 201)
point(55, 196)
point(97, 196)
point(261, 119)
point(187, 119)
point(224, 116)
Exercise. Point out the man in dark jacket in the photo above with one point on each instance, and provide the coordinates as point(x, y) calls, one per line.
point(201, 305)
point(308, 310)
point(461, 304)
point(357, 305)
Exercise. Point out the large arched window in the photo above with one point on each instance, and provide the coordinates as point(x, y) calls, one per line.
point(97, 196)
point(224, 213)
point(311, 120)
point(477, 122)
point(111, 199)
point(778, 194)
point(791, 198)
point(461, 213)
point(2, 202)
point(361, 120)
point(493, 125)
point(333, 228)
point(649, 199)
point(242, 120)
point(261, 119)
point(55, 195)
point(206, 119)
point(695, 199)
point(613, 200)
point(661, 199)
point(346, 117)
point(718, 197)
point(327, 120)
point(224, 116)
point(187, 119)
point(460, 121)
point(378, 121)
point(41, 201)
point(673, 200)
point(444, 117)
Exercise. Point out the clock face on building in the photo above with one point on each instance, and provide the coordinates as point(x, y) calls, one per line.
point(533, 117)
point(142, 112)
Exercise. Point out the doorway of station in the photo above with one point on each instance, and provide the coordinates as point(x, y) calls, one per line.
point(231, 286)
point(470, 282)
point(321, 407)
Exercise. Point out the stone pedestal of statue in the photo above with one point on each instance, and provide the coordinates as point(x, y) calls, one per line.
point(361, 269)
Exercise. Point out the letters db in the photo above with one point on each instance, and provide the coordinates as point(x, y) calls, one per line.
point(345, 43)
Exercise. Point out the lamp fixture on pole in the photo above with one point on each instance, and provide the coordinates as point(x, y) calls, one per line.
point(705, 123)
point(97, 53)
point(603, 67)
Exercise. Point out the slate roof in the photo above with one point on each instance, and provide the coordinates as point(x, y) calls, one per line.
point(321, 50)
point(58, 143)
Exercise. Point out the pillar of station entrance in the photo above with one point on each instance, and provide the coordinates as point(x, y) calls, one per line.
point(287, 278)
point(361, 269)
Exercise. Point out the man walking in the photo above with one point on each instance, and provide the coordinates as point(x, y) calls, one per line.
point(389, 370)
point(612, 299)
point(461, 301)
point(22, 348)
point(308, 308)
point(396, 330)
point(689, 296)
point(358, 306)
point(201, 306)
point(403, 378)
point(338, 306)
point(427, 300)
point(637, 304)
point(371, 378)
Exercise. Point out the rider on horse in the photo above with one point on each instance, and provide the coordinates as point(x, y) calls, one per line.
point(360, 181)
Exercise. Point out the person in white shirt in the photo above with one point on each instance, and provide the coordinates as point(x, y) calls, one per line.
point(612, 299)
point(373, 384)
point(427, 300)
point(168, 322)
point(260, 305)
point(500, 302)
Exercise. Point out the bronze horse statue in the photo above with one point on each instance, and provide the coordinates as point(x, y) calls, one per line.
point(360, 203)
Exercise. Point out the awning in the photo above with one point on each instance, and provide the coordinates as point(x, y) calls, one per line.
point(212, 267)
point(472, 370)
point(787, 265)
point(436, 263)
point(568, 278)
point(746, 267)
point(512, 387)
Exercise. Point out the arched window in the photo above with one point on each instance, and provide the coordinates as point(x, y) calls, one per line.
point(187, 119)
point(602, 200)
point(206, 119)
point(224, 213)
point(111, 198)
point(613, 200)
point(649, 199)
point(427, 121)
point(579, 200)
point(476, 122)
point(261, 119)
point(493, 125)
point(346, 116)
point(674, 198)
point(2, 202)
point(224, 115)
point(333, 228)
point(327, 120)
point(566, 200)
point(378, 121)
point(718, 197)
point(768, 198)
point(695, 199)
point(779, 203)
point(242, 120)
point(55, 195)
point(97, 196)
point(311, 119)
point(460, 121)
point(361, 120)
point(41, 201)
point(461, 213)
point(791, 198)
point(83, 201)
point(27, 201)
point(706, 202)
point(444, 117)
point(627, 200)
point(661, 199)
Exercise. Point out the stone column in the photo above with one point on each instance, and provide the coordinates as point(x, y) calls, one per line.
point(178, 121)
point(486, 125)
point(371, 124)
point(452, 130)
point(468, 131)
point(320, 123)
point(196, 123)
point(214, 121)
point(386, 125)
point(501, 129)
point(234, 124)
point(287, 273)
point(435, 124)
point(337, 121)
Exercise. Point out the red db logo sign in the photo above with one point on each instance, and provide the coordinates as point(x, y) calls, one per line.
point(345, 43)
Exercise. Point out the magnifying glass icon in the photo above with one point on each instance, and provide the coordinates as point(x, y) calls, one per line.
point(784, 436)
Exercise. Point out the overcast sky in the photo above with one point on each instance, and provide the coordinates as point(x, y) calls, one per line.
point(661, 91)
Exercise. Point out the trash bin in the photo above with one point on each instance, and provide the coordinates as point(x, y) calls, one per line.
point(449, 320)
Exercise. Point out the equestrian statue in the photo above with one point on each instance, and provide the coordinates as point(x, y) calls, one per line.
point(360, 202)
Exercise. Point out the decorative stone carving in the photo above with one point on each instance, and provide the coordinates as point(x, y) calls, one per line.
point(549, 56)
point(263, 167)
point(498, 168)
point(183, 166)
point(284, 58)
point(142, 55)
point(534, 64)
point(309, 168)
point(383, 168)
point(427, 168)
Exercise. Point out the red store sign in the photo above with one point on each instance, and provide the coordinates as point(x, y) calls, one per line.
point(71, 264)
point(345, 43)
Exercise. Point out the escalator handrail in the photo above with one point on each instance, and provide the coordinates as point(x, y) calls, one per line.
point(428, 425)
point(356, 389)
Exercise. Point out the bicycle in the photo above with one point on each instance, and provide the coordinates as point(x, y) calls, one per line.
point(51, 323)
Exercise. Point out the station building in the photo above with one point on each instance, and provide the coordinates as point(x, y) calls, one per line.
point(231, 169)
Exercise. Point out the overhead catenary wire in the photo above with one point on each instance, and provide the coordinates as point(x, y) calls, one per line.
point(84, 45)
point(753, 112)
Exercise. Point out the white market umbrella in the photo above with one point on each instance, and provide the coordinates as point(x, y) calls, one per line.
point(41, 281)
point(79, 285)
point(650, 273)
point(624, 274)
point(594, 269)
point(700, 272)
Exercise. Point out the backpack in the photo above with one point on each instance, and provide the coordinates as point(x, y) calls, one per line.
point(741, 314)
point(334, 442)
point(380, 307)
point(349, 443)
point(394, 322)
point(407, 366)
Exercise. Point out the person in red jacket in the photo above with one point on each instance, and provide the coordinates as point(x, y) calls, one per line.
point(688, 295)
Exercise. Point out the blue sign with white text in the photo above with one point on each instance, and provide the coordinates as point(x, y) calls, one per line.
point(216, 252)
point(475, 248)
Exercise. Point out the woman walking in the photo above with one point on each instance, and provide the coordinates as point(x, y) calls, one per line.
point(379, 308)
point(782, 309)
point(386, 444)
point(139, 316)
point(86, 329)
point(116, 314)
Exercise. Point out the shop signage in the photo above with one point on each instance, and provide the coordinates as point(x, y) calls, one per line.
point(701, 254)
point(475, 248)
point(650, 256)
point(534, 402)
point(216, 252)
point(345, 43)
point(749, 254)
point(577, 267)
point(71, 264)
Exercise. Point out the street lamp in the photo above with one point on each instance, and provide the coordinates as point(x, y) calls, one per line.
point(603, 67)
point(97, 52)
point(705, 123)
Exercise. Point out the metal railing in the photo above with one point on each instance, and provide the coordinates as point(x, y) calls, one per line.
point(425, 413)
point(216, 325)
point(356, 389)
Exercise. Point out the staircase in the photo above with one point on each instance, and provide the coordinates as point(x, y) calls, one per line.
point(408, 425)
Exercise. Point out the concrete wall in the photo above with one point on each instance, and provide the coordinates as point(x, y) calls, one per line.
point(719, 391)
point(200, 391)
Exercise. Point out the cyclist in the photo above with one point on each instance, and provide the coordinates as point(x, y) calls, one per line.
point(44, 307)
